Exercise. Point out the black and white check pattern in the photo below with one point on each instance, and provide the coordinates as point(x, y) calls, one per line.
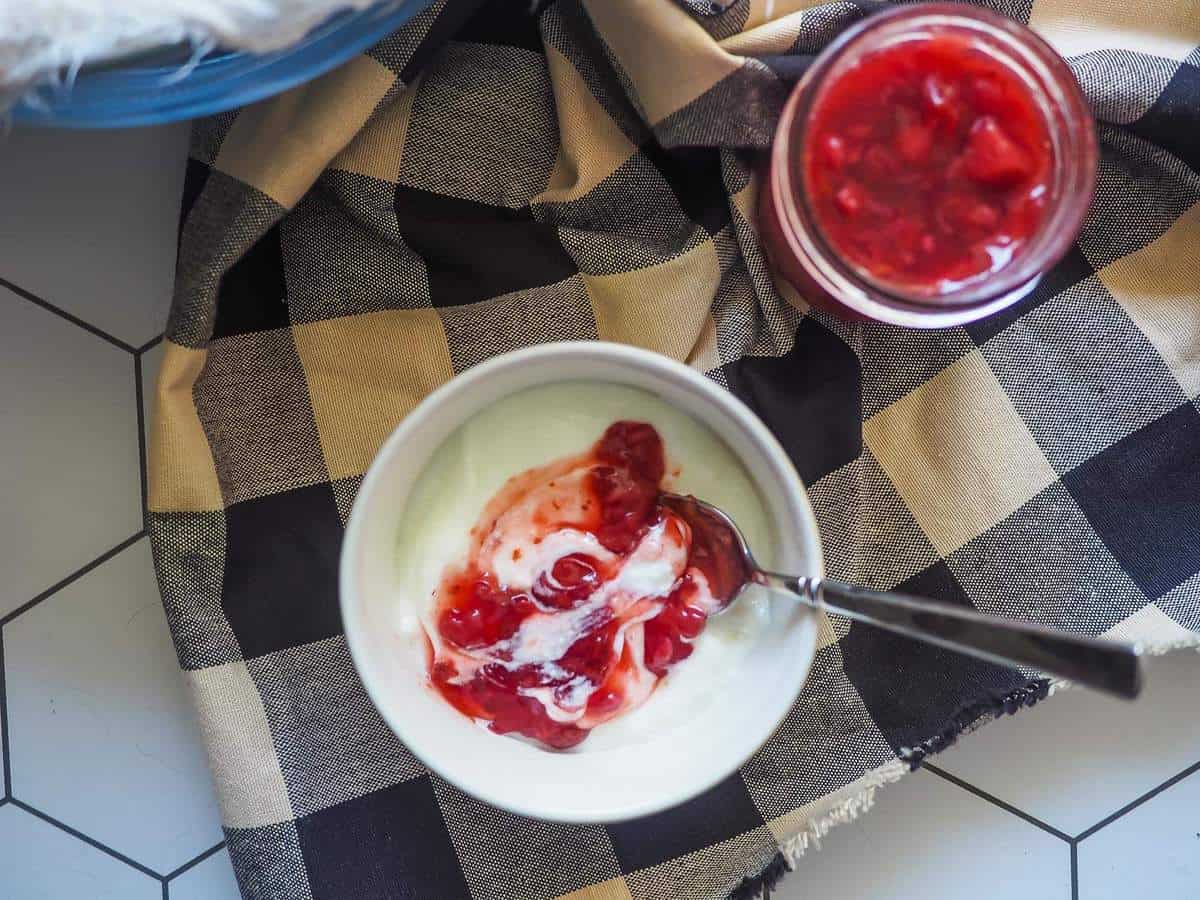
point(486, 179)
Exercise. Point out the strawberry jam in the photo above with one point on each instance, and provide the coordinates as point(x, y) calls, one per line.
point(931, 165)
point(580, 591)
point(927, 164)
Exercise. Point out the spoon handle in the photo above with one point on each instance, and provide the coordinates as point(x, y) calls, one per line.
point(1104, 665)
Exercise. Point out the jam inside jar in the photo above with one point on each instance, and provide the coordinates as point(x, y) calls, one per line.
point(928, 165)
point(933, 162)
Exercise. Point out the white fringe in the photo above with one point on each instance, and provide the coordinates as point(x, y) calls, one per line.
point(843, 810)
point(862, 796)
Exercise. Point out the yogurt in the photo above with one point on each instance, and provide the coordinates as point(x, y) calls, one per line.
point(560, 600)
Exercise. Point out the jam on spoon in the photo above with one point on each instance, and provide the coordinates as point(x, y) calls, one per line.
point(1104, 665)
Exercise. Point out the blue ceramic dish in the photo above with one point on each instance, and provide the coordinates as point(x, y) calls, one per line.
point(149, 90)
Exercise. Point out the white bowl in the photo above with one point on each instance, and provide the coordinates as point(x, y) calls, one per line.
point(605, 785)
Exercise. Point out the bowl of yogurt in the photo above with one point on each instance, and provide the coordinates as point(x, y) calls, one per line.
point(529, 618)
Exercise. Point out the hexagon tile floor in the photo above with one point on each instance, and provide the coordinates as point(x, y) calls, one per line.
point(106, 791)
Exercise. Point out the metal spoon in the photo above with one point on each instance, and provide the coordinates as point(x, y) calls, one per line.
point(1104, 665)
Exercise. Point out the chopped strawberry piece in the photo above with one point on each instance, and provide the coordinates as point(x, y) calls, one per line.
point(992, 157)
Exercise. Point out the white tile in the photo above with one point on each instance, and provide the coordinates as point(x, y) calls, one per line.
point(1080, 756)
point(41, 862)
point(1153, 850)
point(927, 838)
point(89, 222)
point(210, 880)
point(69, 487)
point(101, 730)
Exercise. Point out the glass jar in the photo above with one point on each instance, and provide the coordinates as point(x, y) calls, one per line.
point(792, 232)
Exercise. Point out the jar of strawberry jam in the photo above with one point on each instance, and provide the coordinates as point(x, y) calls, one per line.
point(930, 166)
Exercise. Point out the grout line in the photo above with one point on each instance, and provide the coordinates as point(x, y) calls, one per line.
point(1129, 807)
point(194, 862)
point(141, 439)
point(74, 576)
point(1074, 871)
point(149, 345)
point(166, 891)
point(62, 313)
point(62, 826)
point(4, 725)
point(996, 801)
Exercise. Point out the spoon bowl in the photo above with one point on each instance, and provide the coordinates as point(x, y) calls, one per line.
point(1108, 666)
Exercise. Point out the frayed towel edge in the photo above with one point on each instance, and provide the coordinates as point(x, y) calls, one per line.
point(862, 792)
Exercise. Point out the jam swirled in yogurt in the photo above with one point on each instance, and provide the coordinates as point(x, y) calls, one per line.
point(580, 591)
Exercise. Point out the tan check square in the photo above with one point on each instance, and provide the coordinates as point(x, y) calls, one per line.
point(706, 353)
point(668, 75)
point(958, 453)
point(234, 727)
point(591, 146)
point(1159, 286)
point(613, 889)
point(281, 145)
point(1170, 30)
point(772, 37)
point(366, 373)
point(663, 307)
point(376, 151)
point(182, 476)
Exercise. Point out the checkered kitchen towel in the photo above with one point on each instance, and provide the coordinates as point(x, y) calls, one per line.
point(486, 179)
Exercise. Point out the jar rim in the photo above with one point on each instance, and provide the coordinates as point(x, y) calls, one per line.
point(1068, 119)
